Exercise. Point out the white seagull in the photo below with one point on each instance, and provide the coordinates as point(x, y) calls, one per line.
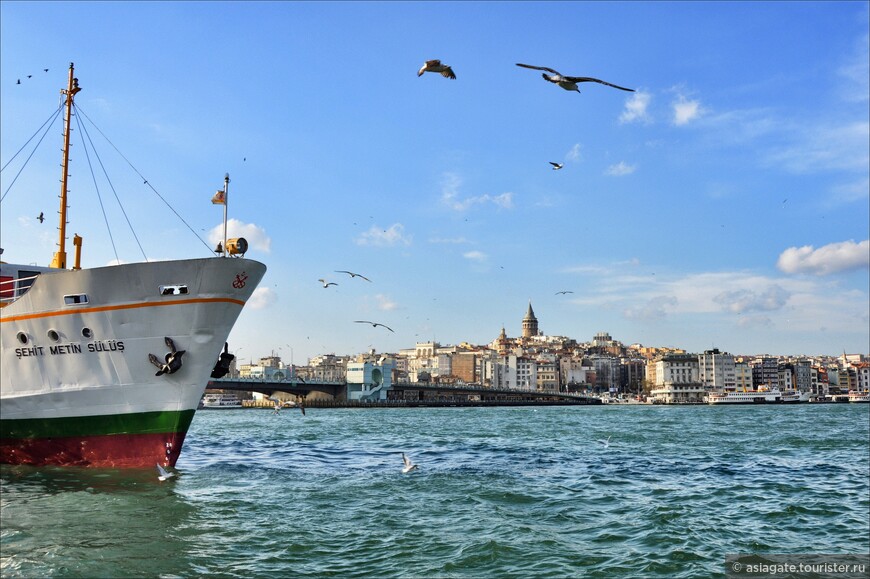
point(163, 474)
point(374, 324)
point(606, 443)
point(409, 466)
point(352, 274)
point(556, 166)
point(570, 82)
point(564, 292)
point(436, 66)
point(326, 283)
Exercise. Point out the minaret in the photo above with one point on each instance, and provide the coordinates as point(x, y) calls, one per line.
point(530, 323)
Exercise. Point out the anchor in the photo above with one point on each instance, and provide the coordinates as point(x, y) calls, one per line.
point(222, 367)
point(173, 359)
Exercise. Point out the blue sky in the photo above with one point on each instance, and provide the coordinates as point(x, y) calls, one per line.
point(723, 204)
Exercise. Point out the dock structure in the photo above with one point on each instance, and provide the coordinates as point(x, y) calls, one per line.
point(404, 394)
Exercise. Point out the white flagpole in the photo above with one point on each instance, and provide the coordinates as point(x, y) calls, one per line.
point(226, 202)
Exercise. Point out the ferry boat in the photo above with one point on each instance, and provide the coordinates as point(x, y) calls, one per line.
point(105, 366)
point(773, 396)
point(220, 401)
point(859, 396)
point(794, 397)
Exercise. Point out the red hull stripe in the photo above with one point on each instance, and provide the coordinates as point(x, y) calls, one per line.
point(120, 307)
point(121, 440)
point(115, 451)
point(85, 426)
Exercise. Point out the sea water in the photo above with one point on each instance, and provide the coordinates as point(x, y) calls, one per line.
point(605, 491)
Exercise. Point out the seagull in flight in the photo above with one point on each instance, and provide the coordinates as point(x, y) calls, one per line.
point(570, 82)
point(564, 292)
point(436, 66)
point(409, 466)
point(556, 166)
point(374, 324)
point(606, 443)
point(352, 274)
point(326, 283)
point(41, 217)
point(163, 474)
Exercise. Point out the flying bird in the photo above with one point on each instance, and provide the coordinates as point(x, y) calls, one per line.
point(556, 166)
point(163, 474)
point(606, 443)
point(326, 283)
point(409, 466)
point(41, 217)
point(570, 82)
point(352, 274)
point(374, 324)
point(436, 66)
point(564, 292)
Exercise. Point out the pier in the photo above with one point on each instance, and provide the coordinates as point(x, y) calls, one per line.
point(407, 394)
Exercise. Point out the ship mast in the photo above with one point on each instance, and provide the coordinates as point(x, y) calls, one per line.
point(59, 259)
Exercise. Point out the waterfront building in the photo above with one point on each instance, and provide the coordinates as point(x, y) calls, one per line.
point(742, 376)
point(607, 372)
point(574, 374)
point(369, 381)
point(862, 374)
point(716, 370)
point(765, 372)
point(677, 380)
point(632, 373)
point(326, 368)
point(547, 373)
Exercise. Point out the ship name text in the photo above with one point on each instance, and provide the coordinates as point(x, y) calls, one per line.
point(73, 348)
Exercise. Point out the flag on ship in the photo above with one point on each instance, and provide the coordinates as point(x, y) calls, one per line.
point(219, 198)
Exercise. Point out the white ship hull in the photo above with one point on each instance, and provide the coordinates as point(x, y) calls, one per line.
point(75, 375)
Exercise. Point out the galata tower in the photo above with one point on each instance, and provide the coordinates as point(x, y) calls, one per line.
point(530, 323)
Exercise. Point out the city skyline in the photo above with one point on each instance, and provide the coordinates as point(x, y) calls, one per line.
point(722, 204)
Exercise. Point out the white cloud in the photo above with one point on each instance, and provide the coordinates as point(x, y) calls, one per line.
point(449, 240)
point(828, 259)
point(475, 255)
point(653, 309)
point(384, 303)
point(262, 297)
point(574, 155)
point(394, 235)
point(254, 234)
point(636, 109)
point(685, 110)
point(747, 300)
point(821, 147)
point(450, 196)
point(621, 168)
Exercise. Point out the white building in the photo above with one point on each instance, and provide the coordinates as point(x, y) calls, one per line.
point(677, 380)
point(716, 370)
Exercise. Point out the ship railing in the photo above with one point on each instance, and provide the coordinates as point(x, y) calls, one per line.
point(12, 289)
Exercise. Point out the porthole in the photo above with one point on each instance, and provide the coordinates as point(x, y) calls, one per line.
point(22, 337)
point(87, 333)
point(53, 335)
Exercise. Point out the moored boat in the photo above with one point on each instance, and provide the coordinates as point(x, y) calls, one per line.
point(859, 396)
point(773, 396)
point(220, 401)
point(106, 366)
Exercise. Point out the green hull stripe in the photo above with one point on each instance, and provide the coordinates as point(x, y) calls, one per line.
point(137, 423)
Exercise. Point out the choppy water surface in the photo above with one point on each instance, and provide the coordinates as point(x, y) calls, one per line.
point(500, 492)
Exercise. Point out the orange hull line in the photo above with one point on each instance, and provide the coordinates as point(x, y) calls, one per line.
point(119, 307)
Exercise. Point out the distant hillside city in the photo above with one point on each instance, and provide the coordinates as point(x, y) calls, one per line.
point(537, 362)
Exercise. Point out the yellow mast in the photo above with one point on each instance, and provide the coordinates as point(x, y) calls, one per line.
point(59, 259)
